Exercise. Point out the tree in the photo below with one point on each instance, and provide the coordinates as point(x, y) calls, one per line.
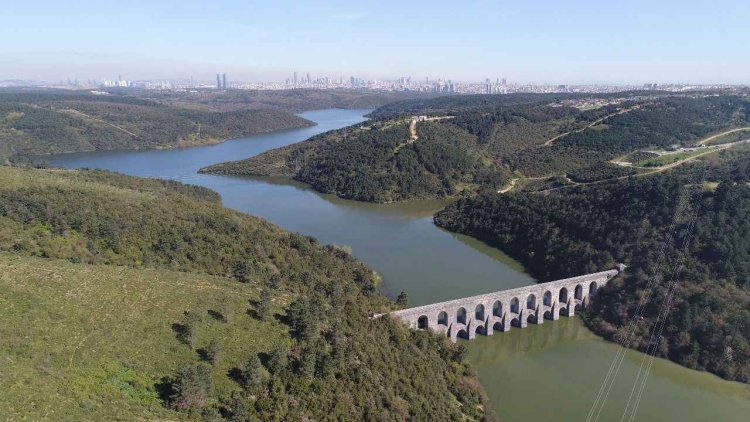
point(264, 305)
point(192, 387)
point(239, 411)
point(278, 359)
point(302, 319)
point(459, 353)
point(225, 309)
point(214, 351)
point(242, 271)
point(253, 373)
point(307, 362)
point(403, 299)
point(189, 329)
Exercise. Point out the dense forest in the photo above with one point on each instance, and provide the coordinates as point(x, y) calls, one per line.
point(587, 228)
point(51, 122)
point(457, 104)
point(155, 302)
point(600, 171)
point(296, 100)
point(380, 163)
point(484, 141)
point(664, 123)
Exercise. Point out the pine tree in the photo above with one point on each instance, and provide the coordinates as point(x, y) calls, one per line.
point(403, 299)
point(264, 305)
point(253, 373)
point(192, 387)
point(214, 351)
point(278, 360)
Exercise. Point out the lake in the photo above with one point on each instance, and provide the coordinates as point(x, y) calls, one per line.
point(552, 370)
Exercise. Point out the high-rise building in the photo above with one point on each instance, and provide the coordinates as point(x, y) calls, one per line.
point(308, 78)
point(218, 81)
point(295, 78)
point(224, 80)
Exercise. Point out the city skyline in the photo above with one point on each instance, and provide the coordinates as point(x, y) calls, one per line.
point(580, 42)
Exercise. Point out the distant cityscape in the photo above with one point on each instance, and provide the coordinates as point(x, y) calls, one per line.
point(500, 85)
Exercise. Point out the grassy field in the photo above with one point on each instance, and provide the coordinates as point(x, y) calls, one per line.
point(90, 342)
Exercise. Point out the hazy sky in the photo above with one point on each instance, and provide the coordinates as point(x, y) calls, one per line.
point(556, 41)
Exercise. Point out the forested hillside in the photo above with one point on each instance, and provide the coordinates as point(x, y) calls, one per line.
point(127, 298)
point(588, 228)
point(456, 104)
point(480, 142)
point(660, 124)
point(380, 162)
point(288, 99)
point(50, 122)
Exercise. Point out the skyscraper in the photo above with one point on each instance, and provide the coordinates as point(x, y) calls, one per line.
point(308, 77)
point(224, 80)
point(295, 78)
point(218, 82)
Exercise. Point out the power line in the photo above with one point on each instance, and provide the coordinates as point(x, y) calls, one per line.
point(614, 369)
point(656, 333)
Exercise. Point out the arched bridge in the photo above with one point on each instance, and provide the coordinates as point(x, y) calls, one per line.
point(514, 307)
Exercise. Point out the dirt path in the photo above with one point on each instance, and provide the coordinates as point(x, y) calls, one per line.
point(509, 187)
point(712, 137)
point(654, 170)
point(122, 129)
point(592, 124)
point(413, 130)
point(413, 125)
point(513, 182)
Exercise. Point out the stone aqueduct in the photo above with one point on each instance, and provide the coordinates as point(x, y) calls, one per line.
point(514, 307)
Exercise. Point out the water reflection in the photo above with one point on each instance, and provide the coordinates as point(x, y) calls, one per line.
point(555, 370)
point(412, 209)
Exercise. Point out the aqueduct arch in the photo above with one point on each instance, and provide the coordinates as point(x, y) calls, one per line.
point(453, 319)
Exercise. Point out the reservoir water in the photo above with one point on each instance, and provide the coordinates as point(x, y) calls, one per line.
point(552, 370)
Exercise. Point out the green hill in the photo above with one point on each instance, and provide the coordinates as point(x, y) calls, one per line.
point(588, 228)
point(284, 99)
point(91, 341)
point(51, 122)
point(380, 162)
point(127, 298)
point(478, 143)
